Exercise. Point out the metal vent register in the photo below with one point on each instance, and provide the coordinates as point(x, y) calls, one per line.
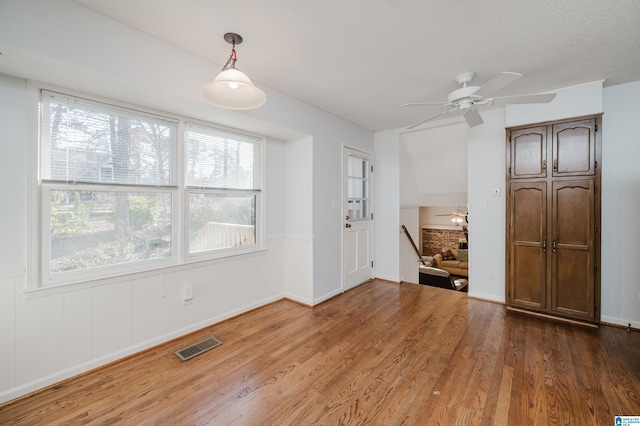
point(198, 348)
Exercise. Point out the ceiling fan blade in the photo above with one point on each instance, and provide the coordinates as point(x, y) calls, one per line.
point(431, 118)
point(496, 83)
point(473, 117)
point(424, 103)
point(524, 99)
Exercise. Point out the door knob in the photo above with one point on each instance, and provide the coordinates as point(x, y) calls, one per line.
point(348, 225)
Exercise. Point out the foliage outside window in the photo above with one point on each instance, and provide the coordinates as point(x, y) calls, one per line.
point(111, 197)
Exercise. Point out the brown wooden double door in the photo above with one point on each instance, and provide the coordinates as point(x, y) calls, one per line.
point(553, 224)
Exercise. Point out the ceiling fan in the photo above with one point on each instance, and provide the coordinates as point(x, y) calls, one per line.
point(457, 216)
point(467, 99)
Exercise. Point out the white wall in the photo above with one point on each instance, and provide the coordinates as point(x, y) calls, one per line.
point(387, 205)
point(620, 205)
point(409, 217)
point(434, 165)
point(486, 212)
point(13, 168)
point(298, 275)
point(43, 336)
point(578, 100)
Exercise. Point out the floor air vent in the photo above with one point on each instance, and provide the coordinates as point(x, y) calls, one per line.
point(200, 347)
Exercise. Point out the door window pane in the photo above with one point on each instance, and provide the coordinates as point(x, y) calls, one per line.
point(358, 188)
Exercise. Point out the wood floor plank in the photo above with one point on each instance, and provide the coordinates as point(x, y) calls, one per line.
point(380, 354)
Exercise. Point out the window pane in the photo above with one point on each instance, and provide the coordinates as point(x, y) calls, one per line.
point(218, 221)
point(216, 159)
point(86, 141)
point(358, 188)
point(99, 228)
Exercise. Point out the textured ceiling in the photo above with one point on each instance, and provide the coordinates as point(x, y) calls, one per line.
point(362, 59)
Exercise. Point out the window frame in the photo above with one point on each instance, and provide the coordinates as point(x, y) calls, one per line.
point(39, 277)
point(257, 191)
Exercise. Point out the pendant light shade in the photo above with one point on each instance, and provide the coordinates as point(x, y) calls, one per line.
point(232, 89)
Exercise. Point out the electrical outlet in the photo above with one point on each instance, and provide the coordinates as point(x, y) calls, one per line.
point(187, 294)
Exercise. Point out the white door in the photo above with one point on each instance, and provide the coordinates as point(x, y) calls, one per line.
point(357, 231)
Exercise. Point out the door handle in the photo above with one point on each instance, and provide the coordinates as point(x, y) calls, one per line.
point(554, 246)
point(347, 217)
point(348, 225)
point(544, 245)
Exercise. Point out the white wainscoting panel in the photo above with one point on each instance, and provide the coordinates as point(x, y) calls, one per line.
point(54, 336)
point(39, 340)
point(120, 316)
point(101, 320)
point(78, 327)
point(298, 274)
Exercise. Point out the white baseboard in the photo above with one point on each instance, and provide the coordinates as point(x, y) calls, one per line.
point(619, 321)
point(299, 299)
point(327, 296)
point(395, 279)
point(486, 296)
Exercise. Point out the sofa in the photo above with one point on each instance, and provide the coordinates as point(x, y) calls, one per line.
point(454, 261)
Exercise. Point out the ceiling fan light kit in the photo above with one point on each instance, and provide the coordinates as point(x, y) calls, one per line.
point(232, 89)
point(467, 99)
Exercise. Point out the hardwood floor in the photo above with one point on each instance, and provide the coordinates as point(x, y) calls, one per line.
point(380, 354)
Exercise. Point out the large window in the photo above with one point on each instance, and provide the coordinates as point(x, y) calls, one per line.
point(222, 189)
point(111, 195)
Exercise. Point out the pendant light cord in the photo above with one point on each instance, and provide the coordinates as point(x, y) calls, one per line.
point(231, 62)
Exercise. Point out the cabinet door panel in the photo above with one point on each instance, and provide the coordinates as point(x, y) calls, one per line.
point(529, 152)
point(574, 148)
point(527, 235)
point(573, 252)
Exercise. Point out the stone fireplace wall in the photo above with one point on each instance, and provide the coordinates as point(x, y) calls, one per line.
point(434, 240)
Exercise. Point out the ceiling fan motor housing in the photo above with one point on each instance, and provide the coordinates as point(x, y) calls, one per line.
point(463, 96)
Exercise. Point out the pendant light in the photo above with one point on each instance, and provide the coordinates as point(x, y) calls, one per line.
point(232, 89)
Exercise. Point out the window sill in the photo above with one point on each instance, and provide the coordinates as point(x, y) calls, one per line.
point(52, 290)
